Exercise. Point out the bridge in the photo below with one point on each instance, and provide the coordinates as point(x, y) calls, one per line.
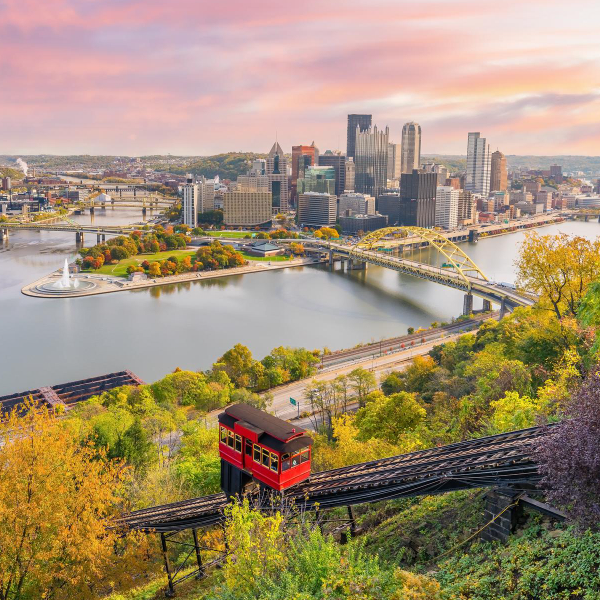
point(503, 461)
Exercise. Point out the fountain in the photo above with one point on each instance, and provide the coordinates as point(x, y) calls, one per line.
point(67, 284)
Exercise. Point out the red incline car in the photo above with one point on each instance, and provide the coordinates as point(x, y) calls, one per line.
point(257, 447)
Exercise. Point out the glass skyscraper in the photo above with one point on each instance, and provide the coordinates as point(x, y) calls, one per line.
point(371, 158)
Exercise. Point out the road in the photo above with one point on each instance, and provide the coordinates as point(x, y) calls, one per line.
point(379, 365)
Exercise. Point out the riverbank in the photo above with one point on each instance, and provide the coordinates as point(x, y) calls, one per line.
point(104, 284)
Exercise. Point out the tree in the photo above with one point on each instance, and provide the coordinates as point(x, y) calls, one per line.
point(56, 500)
point(237, 363)
point(154, 270)
point(362, 382)
point(558, 268)
point(388, 417)
point(569, 459)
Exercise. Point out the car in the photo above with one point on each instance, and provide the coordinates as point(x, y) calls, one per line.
point(259, 450)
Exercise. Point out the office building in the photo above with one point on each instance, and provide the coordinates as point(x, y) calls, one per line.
point(478, 165)
point(371, 158)
point(467, 208)
point(247, 209)
point(338, 162)
point(252, 183)
point(189, 204)
point(360, 122)
point(501, 200)
point(6, 184)
point(388, 204)
point(394, 168)
point(545, 198)
point(276, 170)
point(446, 207)
point(417, 199)
point(498, 173)
point(350, 177)
point(317, 179)
point(521, 196)
point(355, 203)
point(206, 194)
point(556, 173)
point(362, 223)
point(302, 157)
point(411, 147)
point(532, 186)
point(317, 210)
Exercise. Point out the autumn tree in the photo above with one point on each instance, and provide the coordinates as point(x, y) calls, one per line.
point(559, 269)
point(362, 382)
point(56, 499)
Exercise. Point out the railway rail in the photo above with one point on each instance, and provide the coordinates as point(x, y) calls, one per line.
point(500, 460)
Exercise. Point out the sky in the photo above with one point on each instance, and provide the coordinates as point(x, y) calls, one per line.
point(198, 77)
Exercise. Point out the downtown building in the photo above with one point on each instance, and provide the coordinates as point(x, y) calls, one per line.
point(478, 165)
point(317, 179)
point(417, 199)
point(388, 204)
point(371, 159)
point(247, 208)
point(338, 162)
point(446, 207)
point(410, 148)
point(498, 173)
point(276, 170)
point(317, 209)
point(302, 158)
point(394, 168)
point(355, 203)
point(356, 122)
point(467, 208)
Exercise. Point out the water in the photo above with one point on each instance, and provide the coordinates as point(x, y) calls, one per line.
point(189, 325)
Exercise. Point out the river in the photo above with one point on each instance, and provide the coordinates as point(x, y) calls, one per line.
point(189, 325)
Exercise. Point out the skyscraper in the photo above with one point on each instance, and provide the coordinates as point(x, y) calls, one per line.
point(338, 162)
point(478, 165)
point(417, 199)
point(371, 158)
point(189, 204)
point(498, 173)
point(276, 171)
point(363, 122)
point(302, 157)
point(317, 209)
point(350, 169)
point(411, 147)
point(317, 179)
point(446, 207)
point(394, 168)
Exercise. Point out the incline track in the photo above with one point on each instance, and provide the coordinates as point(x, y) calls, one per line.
point(498, 460)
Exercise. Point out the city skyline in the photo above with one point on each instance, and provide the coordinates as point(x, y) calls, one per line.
point(190, 78)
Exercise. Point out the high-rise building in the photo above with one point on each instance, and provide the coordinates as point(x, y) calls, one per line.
point(317, 179)
point(206, 194)
point(394, 168)
point(302, 157)
point(478, 165)
point(247, 209)
point(349, 180)
point(371, 158)
point(6, 184)
point(317, 210)
point(388, 204)
point(360, 122)
point(446, 207)
point(252, 183)
point(355, 203)
point(189, 204)
point(417, 199)
point(411, 147)
point(276, 171)
point(498, 173)
point(467, 208)
point(338, 162)
point(357, 223)
point(556, 173)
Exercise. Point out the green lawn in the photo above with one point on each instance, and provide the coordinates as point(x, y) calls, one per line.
point(120, 269)
point(230, 234)
point(266, 258)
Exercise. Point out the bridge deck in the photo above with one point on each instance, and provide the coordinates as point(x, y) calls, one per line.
point(498, 460)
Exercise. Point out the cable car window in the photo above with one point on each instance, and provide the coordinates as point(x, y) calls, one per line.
point(295, 460)
point(265, 458)
point(256, 453)
point(248, 448)
point(238, 443)
point(285, 462)
point(274, 462)
point(304, 456)
point(230, 439)
point(223, 435)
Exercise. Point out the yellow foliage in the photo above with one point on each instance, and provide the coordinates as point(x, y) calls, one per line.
point(56, 499)
point(416, 587)
point(514, 412)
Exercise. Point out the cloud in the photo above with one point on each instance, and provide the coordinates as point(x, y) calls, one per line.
point(193, 76)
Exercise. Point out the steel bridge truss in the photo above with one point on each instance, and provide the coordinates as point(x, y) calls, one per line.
point(392, 237)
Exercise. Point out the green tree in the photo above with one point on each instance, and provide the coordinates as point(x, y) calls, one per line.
point(362, 382)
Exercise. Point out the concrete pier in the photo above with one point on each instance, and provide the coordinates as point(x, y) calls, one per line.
point(487, 305)
point(468, 304)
